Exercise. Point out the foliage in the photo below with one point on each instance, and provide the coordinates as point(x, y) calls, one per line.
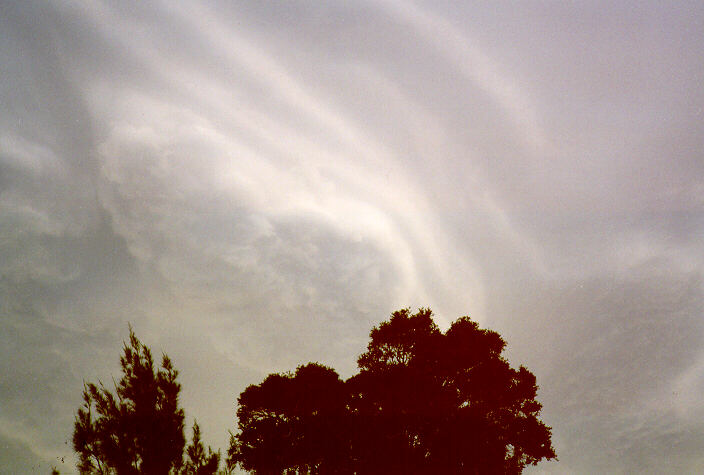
point(423, 402)
point(198, 461)
point(292, 422)
point(444, 403)
point(139, 429)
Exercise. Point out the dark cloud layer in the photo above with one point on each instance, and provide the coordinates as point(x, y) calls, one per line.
point(253, 185)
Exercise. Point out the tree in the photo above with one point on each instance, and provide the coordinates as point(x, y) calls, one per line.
point(293, 423)
point(394, 399)
point(444, 403)
point(139, 429)
point(423, 401)
point(198, 462)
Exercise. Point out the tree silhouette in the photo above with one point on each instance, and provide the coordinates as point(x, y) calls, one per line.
point(198, 462)
point(428, 402)
point(139, 429)
point(423, 402)
point(292, 423)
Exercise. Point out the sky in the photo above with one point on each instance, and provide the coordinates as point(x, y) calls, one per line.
point(254, 185)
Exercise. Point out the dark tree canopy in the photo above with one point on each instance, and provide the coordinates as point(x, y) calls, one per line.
point(444, 403)
point(423, 402)
point(139, 428)
point(292, 422)
point(198, 461)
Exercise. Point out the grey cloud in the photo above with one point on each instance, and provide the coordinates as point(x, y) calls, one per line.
point(254, 185)
point(609, 354)
point(18, 458)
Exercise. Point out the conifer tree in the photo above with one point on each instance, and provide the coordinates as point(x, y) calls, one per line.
point(139, 427)
point(198, 461)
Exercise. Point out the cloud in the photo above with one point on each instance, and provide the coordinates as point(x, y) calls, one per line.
point(612, 356)
point(253, 186)
point(19, 458)
point(463, 53)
